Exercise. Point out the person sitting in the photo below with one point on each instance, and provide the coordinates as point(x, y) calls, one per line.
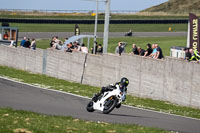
point(96, 47)
point(84, 49)
point(5, 36)
point(122, 85)
point(194, 55)
point(69, 47)
point(149, 50)
point(12, 43)
point(134, 50)
point(99, 49)
point(23, 42)
point(27, 44)
point(33, 44)
point(153, 54)
point(141, 51)
point(188, 55)
point(159, 54)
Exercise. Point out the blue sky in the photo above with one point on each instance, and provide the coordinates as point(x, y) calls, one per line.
point(77, 4)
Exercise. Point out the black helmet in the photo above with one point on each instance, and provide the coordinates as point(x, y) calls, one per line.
point(124, 82)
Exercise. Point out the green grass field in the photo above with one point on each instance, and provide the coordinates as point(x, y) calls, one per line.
point(12, 121)
point(164, 42)
point(88, 91)
point(90, 27)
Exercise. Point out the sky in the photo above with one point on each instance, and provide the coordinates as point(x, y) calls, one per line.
point(136, 5)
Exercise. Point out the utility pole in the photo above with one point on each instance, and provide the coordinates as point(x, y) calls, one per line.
point(106, 26)
point(95, 28)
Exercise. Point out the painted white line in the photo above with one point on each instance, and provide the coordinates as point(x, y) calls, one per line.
point(14, 80)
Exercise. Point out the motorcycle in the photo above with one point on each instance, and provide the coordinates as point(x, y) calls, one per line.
point(107, 102)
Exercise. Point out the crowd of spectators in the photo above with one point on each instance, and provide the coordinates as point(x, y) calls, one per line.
point(55, 43)
point(27, 43)
point(152, 51)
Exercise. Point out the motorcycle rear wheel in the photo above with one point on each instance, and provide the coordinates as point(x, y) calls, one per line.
point(110, 105)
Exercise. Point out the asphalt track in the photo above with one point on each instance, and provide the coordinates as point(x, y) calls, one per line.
point(48, 35)
point(25, 97)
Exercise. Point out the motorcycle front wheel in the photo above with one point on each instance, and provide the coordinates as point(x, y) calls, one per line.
point(109, 105)
point(90, 107)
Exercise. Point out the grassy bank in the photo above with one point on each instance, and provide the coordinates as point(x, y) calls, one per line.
point(88, 91)
point(90, 27)
point(164, 42)
point(12, 121)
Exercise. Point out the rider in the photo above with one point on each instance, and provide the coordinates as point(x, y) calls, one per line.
point(122, 85)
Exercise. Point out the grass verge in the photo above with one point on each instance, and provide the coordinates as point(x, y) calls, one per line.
point(90, 27)
point(27, 122)
point(88, 91)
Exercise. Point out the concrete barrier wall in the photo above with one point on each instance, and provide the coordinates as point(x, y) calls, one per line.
point(171, 79)
point(65, 66)
point(21, 58)
point(101, 70)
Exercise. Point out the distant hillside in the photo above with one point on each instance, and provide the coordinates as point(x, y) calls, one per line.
point(176, 6)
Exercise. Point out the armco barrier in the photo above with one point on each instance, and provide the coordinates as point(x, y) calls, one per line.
point(171, 79)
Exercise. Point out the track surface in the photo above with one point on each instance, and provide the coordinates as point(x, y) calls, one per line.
point(48, 35)
point(25, 97)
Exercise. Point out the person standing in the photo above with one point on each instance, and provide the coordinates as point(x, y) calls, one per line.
point(120, 49)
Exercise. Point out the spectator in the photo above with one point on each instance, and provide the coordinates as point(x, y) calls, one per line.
point(100, 49)
point(149, 50)
point(120, 48)
point(134, 50)
point(159, 54)
point(12, 43)
point(96, 47)
point(23, 42)
point(194, 55)
point(57, 46)
point(69, 47)
point(153, 54)
point(65, 40)
point(76, 46)
point(33, 44)
point(141, 51)
point(27, 44)
point(5, 36)
point(84, 49)
point(188, 55)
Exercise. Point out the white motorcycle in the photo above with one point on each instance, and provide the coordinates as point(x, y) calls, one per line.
point(108, 101)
